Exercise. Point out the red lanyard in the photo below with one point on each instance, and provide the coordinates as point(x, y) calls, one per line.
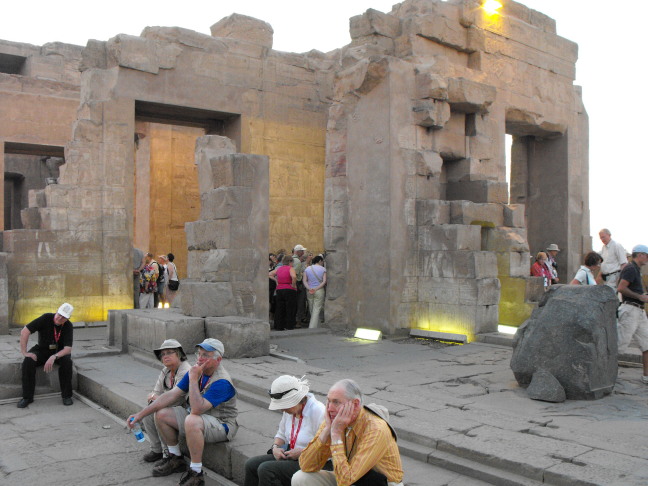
point(57, 335)
point(202, 382)
point(293, 434)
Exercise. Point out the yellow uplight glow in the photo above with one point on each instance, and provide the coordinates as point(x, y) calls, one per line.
point(507, 329)
point(160, 305)
point(491, 6)
point(369, 334)
point(166, 305)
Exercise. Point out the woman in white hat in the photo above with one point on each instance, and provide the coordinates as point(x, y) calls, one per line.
point(302, 416)
point(176, 366)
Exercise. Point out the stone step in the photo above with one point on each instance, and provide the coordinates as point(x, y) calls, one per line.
point(101, 381)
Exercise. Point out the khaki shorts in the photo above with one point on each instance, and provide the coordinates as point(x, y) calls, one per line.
point(213, 428)
point(633, 322)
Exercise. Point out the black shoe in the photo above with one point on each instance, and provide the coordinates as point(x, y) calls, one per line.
point(24, 402)
point(192, 478)
point(173, 465)
point(67, 401)
point(152, 456)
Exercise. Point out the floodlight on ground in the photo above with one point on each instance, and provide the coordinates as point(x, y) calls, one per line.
point(368, 334)
point(491, 7)
point(160, 305)
point(166, 305)
point(441, 336)
point(506, 329)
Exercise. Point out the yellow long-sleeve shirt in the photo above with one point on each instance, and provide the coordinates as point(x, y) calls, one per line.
point(368, 444)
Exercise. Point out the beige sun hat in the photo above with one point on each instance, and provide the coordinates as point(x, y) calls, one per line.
point(170, 344)
point(287, 391)
point(553, 247)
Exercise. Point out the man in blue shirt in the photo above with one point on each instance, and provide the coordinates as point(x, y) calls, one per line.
point(208, 416)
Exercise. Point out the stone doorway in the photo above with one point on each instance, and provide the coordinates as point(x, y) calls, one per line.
point(165, 174)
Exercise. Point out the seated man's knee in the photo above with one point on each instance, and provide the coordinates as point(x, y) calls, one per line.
point(165, 416)
point(193, 423)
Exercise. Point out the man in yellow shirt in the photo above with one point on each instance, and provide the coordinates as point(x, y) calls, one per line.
point(358, 438)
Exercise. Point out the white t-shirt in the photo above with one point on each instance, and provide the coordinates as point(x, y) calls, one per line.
point(584, 276)
point(313, 416)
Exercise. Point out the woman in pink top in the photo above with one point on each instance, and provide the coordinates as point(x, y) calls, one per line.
point(540, 269)
point(286, 298)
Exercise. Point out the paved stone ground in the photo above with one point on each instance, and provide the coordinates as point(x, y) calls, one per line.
point(459, 401)
point(48, 443)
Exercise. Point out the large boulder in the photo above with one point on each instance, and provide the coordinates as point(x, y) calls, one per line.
point(571, 335)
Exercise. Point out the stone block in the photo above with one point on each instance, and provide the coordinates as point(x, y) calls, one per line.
point(374, 22)
point(229, 171)
point(474, 264)
point(134, 53)
point(143, 330)
point(483, 214)
point(514, 215)
point(430, 85)
point(431, 113)
point(513, 263)
point(505, 239)
point(534, 289)
point(433, 263)
point(218, 234)
point(450, 237)
point(544, 386)
point(226, 202)
point(478, 191)
point(211, 147)
point(470, 96)
point(244, 28)
point(432, 212)
point(443, 30)
point(572, 335)
point(207, 299)
point(438, 290)
point(30, 218)
point(428, 163)
point(241, 336)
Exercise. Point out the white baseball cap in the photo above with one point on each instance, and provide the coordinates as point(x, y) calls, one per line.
point(65, 310)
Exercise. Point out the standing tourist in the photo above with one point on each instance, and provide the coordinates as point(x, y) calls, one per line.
point(148, 282)
point(552, 253)
point(614, 259)
point(540, 269)
point(315, 281)
point(632, 314)
point(286, 298)
point(174, 280)
point(585, 274)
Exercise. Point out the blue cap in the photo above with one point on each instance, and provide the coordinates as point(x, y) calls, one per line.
point(640, 249)
point(211, 344)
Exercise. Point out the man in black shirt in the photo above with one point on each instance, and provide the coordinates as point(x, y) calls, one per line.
point(54, 346)
point(632, 315)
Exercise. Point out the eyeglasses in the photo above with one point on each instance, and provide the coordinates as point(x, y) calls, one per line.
point(167, 353)
point(277, 396)
point(205, 355)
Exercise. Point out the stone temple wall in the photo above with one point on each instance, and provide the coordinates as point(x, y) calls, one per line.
point(417, 218)
point(389, 153)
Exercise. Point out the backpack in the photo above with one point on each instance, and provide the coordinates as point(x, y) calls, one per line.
point(161, 272)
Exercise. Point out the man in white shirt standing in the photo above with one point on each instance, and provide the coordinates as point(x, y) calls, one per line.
point(614, 259)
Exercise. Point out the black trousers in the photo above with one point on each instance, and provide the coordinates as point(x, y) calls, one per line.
point(267, 471)
point(29, 372)
point(285, 309)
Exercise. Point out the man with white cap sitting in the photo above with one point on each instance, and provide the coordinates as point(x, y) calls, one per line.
point(208, 416)
point(632, 314)
point(54, 346)
point(358, 438)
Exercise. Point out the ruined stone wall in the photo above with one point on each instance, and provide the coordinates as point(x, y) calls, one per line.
point(268, 102)
point(417, 220)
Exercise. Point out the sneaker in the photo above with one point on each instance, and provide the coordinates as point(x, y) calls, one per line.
point(172, 465)
point(644, 379)
point(192, 478)
point(24, 402)
point(152, 456)
point(67, 401)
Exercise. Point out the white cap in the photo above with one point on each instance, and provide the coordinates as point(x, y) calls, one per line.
point(65, 310)
point(299, 248)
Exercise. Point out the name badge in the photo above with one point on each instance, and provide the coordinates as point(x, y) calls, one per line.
point(52, 346)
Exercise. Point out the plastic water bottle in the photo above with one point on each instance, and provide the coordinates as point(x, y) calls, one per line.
point(137, 432)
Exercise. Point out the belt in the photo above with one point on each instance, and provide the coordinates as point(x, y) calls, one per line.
point(611, 273)
point(635, 304)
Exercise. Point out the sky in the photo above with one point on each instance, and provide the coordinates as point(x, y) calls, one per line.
point(610, 67)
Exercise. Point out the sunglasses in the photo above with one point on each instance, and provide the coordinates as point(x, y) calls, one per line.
point(277, 396)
